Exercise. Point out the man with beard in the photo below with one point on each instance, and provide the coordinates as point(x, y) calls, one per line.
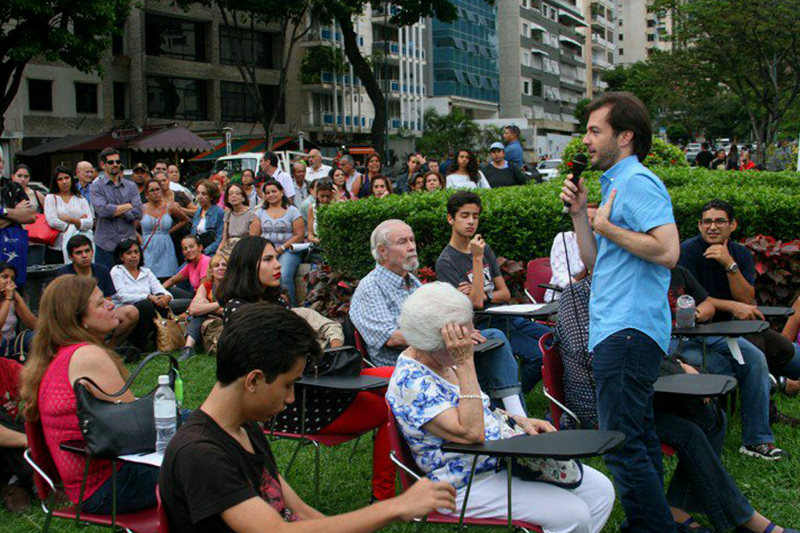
point(379, 297)
point(630, 259)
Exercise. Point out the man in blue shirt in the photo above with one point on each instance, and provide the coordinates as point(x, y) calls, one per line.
point(630, 260)
point(514, 154)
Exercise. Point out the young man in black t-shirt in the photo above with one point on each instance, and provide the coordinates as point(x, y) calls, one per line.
point(219, 473)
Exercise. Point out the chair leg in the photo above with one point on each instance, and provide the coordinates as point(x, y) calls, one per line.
point(113, 495)
point(291, 460)
point(47, 519)
point(316, 470)
point(83, 491)
point(353, 451)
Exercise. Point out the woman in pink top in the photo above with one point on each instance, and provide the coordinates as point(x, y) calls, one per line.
point(195, 270)
point(74, 318)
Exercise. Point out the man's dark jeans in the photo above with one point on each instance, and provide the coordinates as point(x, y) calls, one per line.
point(626, 366)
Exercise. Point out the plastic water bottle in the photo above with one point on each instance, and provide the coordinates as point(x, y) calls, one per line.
point(684, 312)
point(165, 412)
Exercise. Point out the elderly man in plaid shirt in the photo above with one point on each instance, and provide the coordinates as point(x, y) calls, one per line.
point(376, 305)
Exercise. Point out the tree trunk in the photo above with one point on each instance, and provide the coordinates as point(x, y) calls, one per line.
point(10, 79)
point(362, 69)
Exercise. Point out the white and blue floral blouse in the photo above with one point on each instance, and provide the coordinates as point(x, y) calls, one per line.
point(417, 395)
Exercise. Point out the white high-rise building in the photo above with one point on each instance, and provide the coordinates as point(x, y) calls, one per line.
point(641, 30)
point(603, 35)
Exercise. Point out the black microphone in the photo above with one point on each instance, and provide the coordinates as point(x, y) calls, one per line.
point(578, 166)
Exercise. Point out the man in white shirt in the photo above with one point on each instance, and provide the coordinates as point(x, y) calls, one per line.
point(300, 184)
point(270, 170)
point(316, 170)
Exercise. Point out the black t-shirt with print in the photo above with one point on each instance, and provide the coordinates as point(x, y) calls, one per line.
point(682, 282)
point(455, 267)
point(206, 471)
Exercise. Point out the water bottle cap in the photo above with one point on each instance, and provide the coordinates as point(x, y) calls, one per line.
point(163, 379)
point(685, 301)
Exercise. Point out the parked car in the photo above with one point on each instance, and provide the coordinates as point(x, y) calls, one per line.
point(548, 169)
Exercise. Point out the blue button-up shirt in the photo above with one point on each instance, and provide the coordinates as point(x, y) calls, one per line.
point(514, 154)
point(627, 291)
point(105, 198)
point(375, 310)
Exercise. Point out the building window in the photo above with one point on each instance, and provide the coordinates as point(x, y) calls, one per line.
point(651, 38)
point(255, 47)
point(526, 59)
point(239, 106)
point(40, 95)
point(117, 45)
point(526, 32)
point(120, 101)
point(526, 87)
point(536, 88)
point(525, 3)
point(621, 37)
point(176, 98)
point(175, 38)
point(86, 98)
point(622, 51)
point(651, 23)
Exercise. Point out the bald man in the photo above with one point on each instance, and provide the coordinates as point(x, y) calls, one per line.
point(84, 171)
point(316, 170)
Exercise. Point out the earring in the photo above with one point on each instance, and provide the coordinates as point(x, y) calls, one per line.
point(85, 326)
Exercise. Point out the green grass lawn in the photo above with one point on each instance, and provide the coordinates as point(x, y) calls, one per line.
point(772, 488)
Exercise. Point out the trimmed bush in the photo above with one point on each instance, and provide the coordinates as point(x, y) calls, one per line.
point(662, 154)
point(520, 222)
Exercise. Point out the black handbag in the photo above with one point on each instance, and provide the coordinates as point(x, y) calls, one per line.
point(207, 238)
point(340, 361)
point(111, 429)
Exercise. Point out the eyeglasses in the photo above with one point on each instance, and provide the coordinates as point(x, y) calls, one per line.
point(114, 163)
point(716, 221)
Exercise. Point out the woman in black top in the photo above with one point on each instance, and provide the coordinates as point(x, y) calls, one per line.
point(254, 275)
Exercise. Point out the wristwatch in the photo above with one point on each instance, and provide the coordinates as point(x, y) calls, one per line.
point(733, 268)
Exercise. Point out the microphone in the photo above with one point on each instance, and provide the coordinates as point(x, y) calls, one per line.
point(578, 166)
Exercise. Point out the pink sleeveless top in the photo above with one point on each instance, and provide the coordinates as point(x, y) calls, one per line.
point(58, 411)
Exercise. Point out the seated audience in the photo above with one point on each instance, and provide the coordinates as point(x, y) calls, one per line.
point(254, 276)
point(195, 270)
point(316, 168)
point(66, 211)
point(161, 219)
point(435, 396)
point(694, 427)
point(280, 222)
point(220, 180)
point(75, 317)
point(208, 223)
point(325, 192)
point(255, 195)
point(16, 477)
point(13, 310)
point(238, 217)
point(467, 254)
point(340, 185)
point(354, 180)
point(374, 166)
point(745, 163)
point(301, 188)
point(375, 309)
point(416, 183)
point(212, 482)
point(465, 174)
point(499, 172)
point(310, 199)
point(380, 186)
point(79, 249)
point(560, 255)
point(412, 167)
point(720, 162)
point(434, 181)
point(205, 305)
point(433, 166)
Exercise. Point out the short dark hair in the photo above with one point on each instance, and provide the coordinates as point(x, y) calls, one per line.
point(272, 158)
point(266, 337)
point(323, 184)
point(513, 128)
point(73, 187)
point(704, 146)
point(722, 205)
point(165, 161)
point(385, 180)
point(76, 241)
point(123, 246)
point(460, 199)
point(107, 152)
point(5, 265)
point(626, 113)
point(241, 280)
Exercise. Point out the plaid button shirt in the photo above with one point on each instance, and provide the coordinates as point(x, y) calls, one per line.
point(375, 310)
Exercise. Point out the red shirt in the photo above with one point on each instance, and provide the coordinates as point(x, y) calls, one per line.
point(9, 386)
point(747, 166)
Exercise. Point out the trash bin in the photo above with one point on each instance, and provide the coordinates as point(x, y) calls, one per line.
point(38, 278)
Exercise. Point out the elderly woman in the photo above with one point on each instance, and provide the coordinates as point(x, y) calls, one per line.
point(435, 396)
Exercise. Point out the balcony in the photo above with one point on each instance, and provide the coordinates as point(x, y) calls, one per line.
point(379, 15)
point(601, 63)
point(330, 121)
point(602, 43)
point(601, 21)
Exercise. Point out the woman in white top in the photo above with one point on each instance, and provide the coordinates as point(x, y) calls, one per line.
point(66, 211)
point(559, 256)
point(464, 174)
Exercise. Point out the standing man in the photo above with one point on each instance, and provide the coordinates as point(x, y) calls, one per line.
point(117, 203)
point(140, 175)
point(704, 157)
point(316, 170)
point(353, 178)
point(270, 170)
point(300, 186)
point(630, 259)
point(499, 172)
point(15, 210)
point(514, 154)
point(84, 171)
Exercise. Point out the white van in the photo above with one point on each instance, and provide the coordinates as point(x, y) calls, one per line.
point(235, 164)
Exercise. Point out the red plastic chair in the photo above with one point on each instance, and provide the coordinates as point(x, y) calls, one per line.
point(163, 520)
point(553, 384)
point(538, 271)
point(361, 346)
point(409, 473)
point(46, 476)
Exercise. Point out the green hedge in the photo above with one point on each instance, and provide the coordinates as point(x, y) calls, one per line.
point(520, 222)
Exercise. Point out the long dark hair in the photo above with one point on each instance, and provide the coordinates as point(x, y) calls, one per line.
point(73, 187)
point(275, 183)
point(472, 165)
point(123, 246)
point(241, 279)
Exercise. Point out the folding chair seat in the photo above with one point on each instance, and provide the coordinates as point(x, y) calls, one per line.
point(538, 271)
point(46, 477)
point(409, 473)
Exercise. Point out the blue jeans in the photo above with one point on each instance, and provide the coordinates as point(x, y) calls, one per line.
point(792, 368)
point(289, 262)
point(523, 334)
point(753, 378)
point(498, 373)
point(104, 257)
point(626, 365)
point(700, 483)
point(136, 490)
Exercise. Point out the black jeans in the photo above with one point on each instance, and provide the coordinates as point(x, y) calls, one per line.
point(136, 490)
point(700, 483)
point(777, 349)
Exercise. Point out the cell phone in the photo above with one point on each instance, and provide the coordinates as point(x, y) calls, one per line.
point(489, 344)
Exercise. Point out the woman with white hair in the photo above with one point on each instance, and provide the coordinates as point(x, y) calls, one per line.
point(435, 396)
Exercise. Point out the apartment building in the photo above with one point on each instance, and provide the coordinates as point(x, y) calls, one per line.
point(641, 30)
point(603, 35)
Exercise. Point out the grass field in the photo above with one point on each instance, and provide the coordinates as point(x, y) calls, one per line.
point(772, 488)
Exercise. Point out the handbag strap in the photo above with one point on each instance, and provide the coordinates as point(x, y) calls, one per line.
point(132, 377)
point(155, 229)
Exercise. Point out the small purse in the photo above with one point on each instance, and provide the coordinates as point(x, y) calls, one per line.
point(340, 361)
point(169, 333)
point(565, 474)
point(207, 238)
point(40, 232)
point(111, 429)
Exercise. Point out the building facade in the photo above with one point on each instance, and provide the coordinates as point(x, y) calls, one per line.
point(603, 35)
point(641, 30)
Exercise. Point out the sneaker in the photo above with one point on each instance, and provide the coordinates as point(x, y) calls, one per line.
point(767, 451)
point(186, 353)
point(15, 498)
